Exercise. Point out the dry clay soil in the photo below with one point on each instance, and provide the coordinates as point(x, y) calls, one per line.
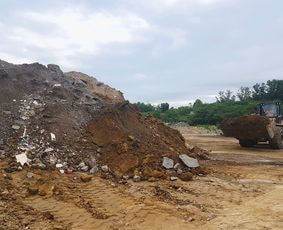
point(243, 190)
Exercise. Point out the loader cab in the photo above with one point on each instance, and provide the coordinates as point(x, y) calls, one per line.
point(270, 110)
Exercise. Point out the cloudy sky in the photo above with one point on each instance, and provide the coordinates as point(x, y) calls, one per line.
point(152, 50)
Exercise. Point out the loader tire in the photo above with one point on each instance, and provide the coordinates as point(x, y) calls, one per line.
point(276, 142)
point(247, 143)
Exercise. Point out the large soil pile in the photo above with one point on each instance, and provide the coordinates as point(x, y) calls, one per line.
point(70, 121)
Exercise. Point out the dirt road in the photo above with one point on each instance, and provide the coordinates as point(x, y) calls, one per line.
point(243, 190)
point(256, 173)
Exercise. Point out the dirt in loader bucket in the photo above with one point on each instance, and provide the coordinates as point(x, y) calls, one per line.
point(251, 127)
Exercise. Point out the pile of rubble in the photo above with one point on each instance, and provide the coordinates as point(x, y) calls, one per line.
point(72, 122)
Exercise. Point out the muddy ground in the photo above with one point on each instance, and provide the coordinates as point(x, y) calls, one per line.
point(242, 191)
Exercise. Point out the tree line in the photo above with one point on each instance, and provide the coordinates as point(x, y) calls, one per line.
point(227, 105)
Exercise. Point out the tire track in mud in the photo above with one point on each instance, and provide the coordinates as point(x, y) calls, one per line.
point(262, 212)
point(98, 205)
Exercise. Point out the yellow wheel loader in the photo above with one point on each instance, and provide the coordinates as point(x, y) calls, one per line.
point(266, 125)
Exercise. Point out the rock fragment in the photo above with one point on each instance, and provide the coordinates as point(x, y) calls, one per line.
point(48, 150)
point(22, 159)
point(173, 178)
point(29, 175)
point(177, 165)
point(167, 163)
point(85, 168)
point(94, 170)
point(179, 171)
point(81, 165)
point(59, 165)
point(16, 127)
point(53, 137)
point(189, 161)
point(85, 178)
point(104, 168)
point(136, 178)
point(187, 176)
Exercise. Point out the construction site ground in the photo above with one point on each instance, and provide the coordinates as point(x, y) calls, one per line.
point(243, 190)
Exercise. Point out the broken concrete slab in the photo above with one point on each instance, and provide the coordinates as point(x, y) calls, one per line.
point(167, 163)
point(22, 159)
point(189, 161)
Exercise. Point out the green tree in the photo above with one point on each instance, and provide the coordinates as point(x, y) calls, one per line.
point(259, 91)
point(164, 107)
point(225, 96)
point(198, 103)
point(244, 94)
point(143, 108)
point(274, 90)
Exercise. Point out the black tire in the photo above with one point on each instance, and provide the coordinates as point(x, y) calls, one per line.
point(276, 142)
point(247, 143)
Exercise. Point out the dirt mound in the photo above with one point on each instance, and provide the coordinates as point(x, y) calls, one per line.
point(73, 122)
point(96, 87)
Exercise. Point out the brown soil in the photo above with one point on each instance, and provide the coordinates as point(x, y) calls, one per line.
point(251, 127)
point(91, 121)
point(235, 188)
point(133, 143)
point(243, 191)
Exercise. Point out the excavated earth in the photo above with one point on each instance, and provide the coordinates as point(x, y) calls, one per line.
point(250, 127)
point(243, 190)
point(72, 122)
point(94, 163)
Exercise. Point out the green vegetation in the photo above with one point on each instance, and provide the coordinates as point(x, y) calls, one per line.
point(227, 105)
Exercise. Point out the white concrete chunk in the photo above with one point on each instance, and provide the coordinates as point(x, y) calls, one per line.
point(189, 161)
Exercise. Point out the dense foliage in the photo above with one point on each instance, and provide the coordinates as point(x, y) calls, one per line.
point(227, 105)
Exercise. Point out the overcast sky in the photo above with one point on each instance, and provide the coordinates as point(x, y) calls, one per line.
point(152, 50)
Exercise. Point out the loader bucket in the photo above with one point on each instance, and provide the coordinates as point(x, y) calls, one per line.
point(251, 127)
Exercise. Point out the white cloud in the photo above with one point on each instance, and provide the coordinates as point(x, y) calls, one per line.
point(61, 36)
point(140, 76)
point(66, 34)
point(161, 5)
point(15, 59)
